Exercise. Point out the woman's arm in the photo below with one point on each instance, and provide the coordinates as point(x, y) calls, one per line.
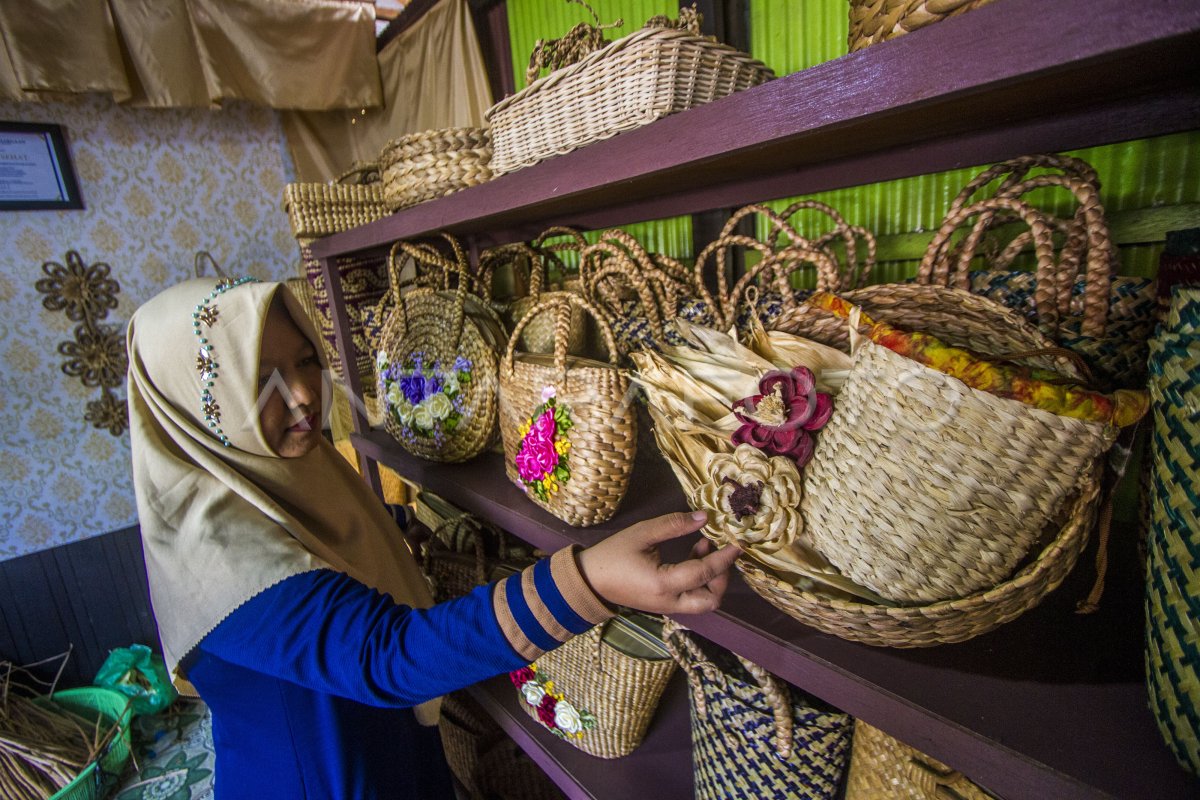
point(326, 631)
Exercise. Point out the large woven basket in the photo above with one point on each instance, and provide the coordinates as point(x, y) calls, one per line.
point(1074, 296)
point(1172, 594)
point(431, 164)
point(924, 489)
point(752, 734)
point(611, 677)
point(569, 428)
point(874, 21)
point(945, 621)
point(629, 83)
point(320, 209)
point(882, 766)
point(436, 368)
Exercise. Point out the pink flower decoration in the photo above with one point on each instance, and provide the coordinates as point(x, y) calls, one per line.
point(781, 418)
point(538, 457)
point(520, 677)
point(545, 711)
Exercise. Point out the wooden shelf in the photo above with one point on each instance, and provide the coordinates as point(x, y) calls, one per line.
point(1015, 77)
point(661, 767)
point(1052, 704)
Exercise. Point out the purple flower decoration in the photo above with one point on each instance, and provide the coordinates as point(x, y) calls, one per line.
point(413, 387)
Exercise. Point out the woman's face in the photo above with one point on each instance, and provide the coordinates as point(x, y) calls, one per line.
point(289, 386)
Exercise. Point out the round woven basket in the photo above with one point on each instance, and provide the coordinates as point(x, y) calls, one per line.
point(594, 429)
point(431, 164)
point(946, 621)
point(450, 340)
point(924, 489)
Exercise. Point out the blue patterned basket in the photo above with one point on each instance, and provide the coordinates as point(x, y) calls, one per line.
point(1173, 545)
point(755, 737)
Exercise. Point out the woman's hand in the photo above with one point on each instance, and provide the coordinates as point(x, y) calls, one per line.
point(625, 569)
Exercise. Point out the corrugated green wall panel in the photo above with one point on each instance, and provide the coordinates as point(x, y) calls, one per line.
point(530, 20)
point(791, 35)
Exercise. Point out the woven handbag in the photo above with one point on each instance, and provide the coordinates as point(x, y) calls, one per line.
point(600, 690)
point(436, 363)
point(922, 488)
point(754, 735)
point(625, 84)
point(1172, 599)
point(462, 552)
point(874, 21)
point(882, 766)
point(1074, 297)
point(569, 428)
point(431, 164)
point(528, 268)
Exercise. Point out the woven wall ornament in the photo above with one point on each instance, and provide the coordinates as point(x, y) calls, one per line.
point(97, 354)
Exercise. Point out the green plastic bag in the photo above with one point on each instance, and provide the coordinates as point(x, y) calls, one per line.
point(139, 673)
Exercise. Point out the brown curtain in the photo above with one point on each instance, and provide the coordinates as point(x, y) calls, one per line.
point(288, 54)
point(433, 77)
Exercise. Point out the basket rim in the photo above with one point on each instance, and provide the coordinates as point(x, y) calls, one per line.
point(931, 616)
point(636, 38)
point(475, 138)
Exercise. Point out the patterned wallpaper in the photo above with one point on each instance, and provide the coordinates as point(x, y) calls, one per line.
point(158, 185)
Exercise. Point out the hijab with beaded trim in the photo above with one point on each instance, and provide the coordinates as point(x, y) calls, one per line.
point(222, 516)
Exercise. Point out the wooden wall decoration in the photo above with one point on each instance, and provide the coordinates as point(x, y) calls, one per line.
point(97, 354)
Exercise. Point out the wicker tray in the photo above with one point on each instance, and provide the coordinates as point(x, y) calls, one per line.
point(629, 83)
point(432, 164)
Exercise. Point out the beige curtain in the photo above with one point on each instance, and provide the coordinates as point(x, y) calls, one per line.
point(433, 77)
point(293, 54)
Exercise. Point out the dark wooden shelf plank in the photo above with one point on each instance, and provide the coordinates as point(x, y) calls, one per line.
point(661, 767)
point(1052, 704)
point(1015, 77)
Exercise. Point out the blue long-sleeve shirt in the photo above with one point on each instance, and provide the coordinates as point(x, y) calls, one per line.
point(310, 681)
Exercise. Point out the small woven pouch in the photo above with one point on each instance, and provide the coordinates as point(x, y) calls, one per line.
point(569, 429)
point(754, 735)
point(1074, 297)
point(882, 766)
point(1172, 598)
point(601, 689)
point(436, 362)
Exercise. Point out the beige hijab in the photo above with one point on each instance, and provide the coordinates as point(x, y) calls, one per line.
point(221, 522)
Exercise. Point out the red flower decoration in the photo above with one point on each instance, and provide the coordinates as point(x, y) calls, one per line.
point(520, 677)
point(781, 418)
point(546, 710)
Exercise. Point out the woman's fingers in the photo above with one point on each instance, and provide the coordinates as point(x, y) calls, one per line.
point(701, 572)
point(669, 526)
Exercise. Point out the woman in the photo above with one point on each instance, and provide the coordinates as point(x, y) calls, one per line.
point(283, 592)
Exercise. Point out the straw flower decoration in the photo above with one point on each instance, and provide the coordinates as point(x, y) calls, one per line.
point(752, 499)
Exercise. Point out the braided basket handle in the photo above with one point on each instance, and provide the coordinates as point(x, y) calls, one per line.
point(364, 172)
point(562, 304)
point(428, 255)
point(453, 524)
point(936, 266)
point(204, 257)
point(603, 261)
point(692, 660)
point(853, 275)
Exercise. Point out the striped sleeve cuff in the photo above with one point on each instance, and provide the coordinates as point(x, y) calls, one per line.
point(546, 604)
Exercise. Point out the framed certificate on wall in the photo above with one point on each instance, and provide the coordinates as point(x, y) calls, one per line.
point(35, 168)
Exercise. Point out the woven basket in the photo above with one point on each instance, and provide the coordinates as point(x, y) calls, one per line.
point(586, 453)
point(754, 735)
point(629, 83)
point(924, 489)
point(462, 552)
point(528, 267)
point(1075, 298)
point(613, 676)
point(882, 766)
point(439, 344)
point(1172, 600)
point(874, 21)
point(320, 209)
point(431, 164)
point(946, 621)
